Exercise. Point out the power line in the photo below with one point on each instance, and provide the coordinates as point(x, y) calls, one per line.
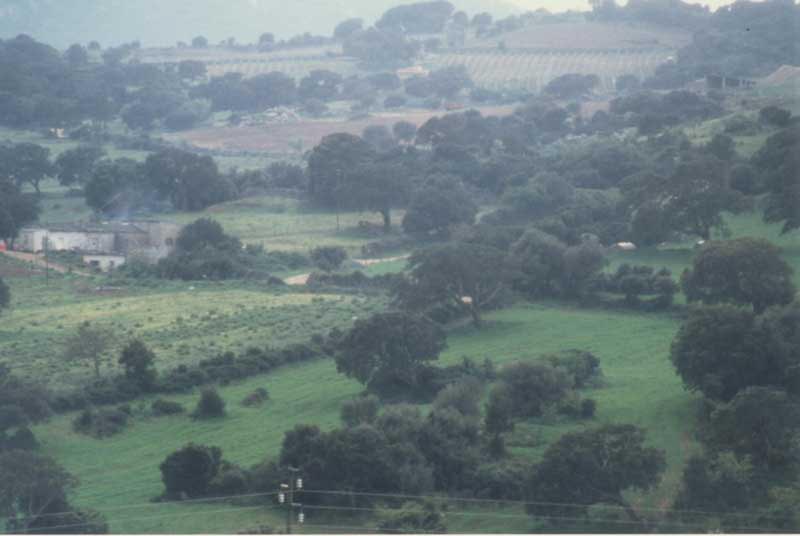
point(525, 516)
point(497, 515)
point(137, 518)
point(456, 500)
point(518, 502)
point(157, 504)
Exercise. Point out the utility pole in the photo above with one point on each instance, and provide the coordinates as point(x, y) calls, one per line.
point(286, 496)
point(46, 260)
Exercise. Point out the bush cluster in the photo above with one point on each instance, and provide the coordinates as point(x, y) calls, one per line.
point(355, 280)
point(210, 405)
point(535, 389)
point(163, 407)
point(223, 368)
point(256, 398)
point(101, 423)
point(635, 282)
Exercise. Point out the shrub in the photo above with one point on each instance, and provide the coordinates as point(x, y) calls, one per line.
point(100, 423)
point(256, 398)
point(138, 362)
point(534, 387)
point(231, 480)
point(500, 481)
point(588, 408)
point(409, 518)
point(360, 410)
point(575, 407)
point(355, 280)
point(266, 477)
point(463, 397)
point(210, 405)
point(22, 439)
point(189, 471)
point(394, 101)
point(166, 407)
point(328, 259)
point(775, 116)
point(583, 367)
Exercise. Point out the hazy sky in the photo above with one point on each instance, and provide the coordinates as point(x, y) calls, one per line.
point(564, 5)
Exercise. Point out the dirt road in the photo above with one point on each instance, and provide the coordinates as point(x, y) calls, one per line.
point(302, 279)
point(40, 262)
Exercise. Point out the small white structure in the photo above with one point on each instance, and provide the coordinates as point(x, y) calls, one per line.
point(625, 246)
point(64, 238)
point(411, 72)
point(148, 241)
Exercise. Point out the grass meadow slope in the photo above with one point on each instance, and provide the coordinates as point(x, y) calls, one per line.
point(119, 476)
point(641, 388)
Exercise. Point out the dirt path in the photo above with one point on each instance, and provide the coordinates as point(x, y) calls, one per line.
point(370, 262)
point(39, 261)
point(302, 279)
point(297, 280)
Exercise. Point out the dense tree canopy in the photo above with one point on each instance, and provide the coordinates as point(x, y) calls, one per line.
point(380, 47)
point(188, 472)
point(779, 161)
point(33, 497)
point(377, 186)
point(89, 343)
point(116, 186)
point(722, 349)
point(387, 351)
point(437, 206)
point(75, 165)
point(204, 251)
point(691, 200)
point(570, 86)
point(330, 165)
point(745, 271)
point(16, 210)
point(190, 181)
point(594, 466)
point(138, 361)
point(719, 483)
point(759, 422)
point(418, 18)
point(347, 27)
point(545, 266)
point(469, 277)
point(5, 295)
point(358, 458)
point(25, 163)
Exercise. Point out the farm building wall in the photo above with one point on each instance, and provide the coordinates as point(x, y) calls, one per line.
point(146, 241)
point(160, 242)
point(104, 262)
point(33, 240)
point(30, 240)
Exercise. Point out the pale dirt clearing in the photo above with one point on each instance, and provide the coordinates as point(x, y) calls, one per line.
point(302, 279)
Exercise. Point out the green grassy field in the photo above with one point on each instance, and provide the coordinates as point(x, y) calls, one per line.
point(678, 256)
point(276, 222)
point(283, 223)
point(640, 388)
point(119, 476)
point(186, 322)
point(181, 322)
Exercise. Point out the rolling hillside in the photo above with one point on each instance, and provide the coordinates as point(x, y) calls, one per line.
point(164, 22)
point(588, 35)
